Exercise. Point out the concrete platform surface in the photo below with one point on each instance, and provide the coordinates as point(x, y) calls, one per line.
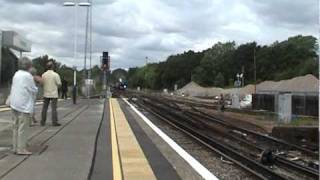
point(125, 150)
point(99, 139)
point(64, 152)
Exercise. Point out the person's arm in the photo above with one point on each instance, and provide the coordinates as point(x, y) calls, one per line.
point(38, 79)
point(31, 86)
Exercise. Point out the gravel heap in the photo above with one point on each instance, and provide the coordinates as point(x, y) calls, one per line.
point(307, 83)
point(193, 89)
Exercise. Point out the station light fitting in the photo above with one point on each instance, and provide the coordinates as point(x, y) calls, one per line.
point(69, 4)
point(85, 4)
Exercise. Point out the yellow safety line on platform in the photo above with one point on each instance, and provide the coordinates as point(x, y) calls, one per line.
point(133, 161)
point(5, 109)
point(117, 173)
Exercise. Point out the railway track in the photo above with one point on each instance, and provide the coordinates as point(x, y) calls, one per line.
point(241, 151)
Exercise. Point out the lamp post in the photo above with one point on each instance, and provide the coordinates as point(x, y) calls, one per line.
point(90, 40)
point(75, 4)
point(255, 70)
point(85, 4)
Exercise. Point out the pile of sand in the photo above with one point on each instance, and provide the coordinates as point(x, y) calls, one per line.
point(193, 89)
point(307, 83)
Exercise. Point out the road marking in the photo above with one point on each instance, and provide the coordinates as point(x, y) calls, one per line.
point(196, 165)
point(5, 109)
point(117, 173)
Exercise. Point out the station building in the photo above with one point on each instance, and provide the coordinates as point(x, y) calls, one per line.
point(294, 97)
point(12, 46)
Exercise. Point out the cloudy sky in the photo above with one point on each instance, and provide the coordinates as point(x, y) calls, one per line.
point(133, 29)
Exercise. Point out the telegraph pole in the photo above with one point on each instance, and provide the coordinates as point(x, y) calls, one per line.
point(255, 70)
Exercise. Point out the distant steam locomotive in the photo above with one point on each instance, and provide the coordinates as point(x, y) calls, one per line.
point(121, 86)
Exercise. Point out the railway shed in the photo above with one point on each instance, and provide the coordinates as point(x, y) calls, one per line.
point(303, 93)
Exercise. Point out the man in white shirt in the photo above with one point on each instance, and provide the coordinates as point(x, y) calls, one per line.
point(51, 82)
point(22, 95)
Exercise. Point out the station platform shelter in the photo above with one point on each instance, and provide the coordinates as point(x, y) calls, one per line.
point(12, 46)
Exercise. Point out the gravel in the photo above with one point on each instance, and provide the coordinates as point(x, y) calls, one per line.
point(211, 160)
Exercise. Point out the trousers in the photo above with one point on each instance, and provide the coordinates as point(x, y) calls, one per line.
point(20, 121)
point(46, 102)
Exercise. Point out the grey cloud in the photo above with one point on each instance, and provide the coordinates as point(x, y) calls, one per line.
point(132, 30)
point(288, 12)
point(96, 2)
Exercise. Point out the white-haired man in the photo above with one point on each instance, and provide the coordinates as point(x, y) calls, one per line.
point(22, 95)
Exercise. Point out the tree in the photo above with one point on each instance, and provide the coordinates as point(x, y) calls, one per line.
point(216, 59)
point(218, 65)
point(219, 80)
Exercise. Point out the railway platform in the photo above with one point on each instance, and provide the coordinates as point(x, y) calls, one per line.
point(98, 139)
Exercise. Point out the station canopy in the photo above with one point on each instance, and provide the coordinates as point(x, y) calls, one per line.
point(13, 40)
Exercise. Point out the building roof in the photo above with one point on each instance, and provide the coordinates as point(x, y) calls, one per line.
point(15, 41)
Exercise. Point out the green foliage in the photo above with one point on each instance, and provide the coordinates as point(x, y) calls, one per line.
point(176, 70)
point(64, 71)
point(217, 59)
point(219, 80)
point(218, 65)
point(40, 63)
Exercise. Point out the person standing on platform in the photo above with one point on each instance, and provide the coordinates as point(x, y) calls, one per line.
point(64, 89)
point(22, 95)
point(51, 83)
point(222, 103)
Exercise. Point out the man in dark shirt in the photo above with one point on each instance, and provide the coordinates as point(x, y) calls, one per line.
point(64, 89)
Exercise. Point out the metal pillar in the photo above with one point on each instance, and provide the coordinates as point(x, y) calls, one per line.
point(90, 40)
point(255, 70)
point(86, 46)
point(74, 90)
point(0, 55)
point(104, 79)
